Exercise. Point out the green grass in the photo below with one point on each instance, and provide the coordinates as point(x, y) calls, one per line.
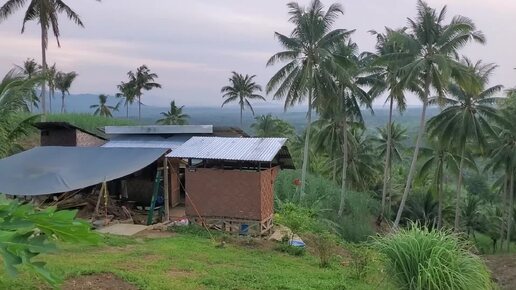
point(187, 261)
point(89, 122)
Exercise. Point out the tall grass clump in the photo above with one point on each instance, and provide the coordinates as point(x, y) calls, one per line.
point(422, 259)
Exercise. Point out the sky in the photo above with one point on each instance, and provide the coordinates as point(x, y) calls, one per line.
point(194, 45)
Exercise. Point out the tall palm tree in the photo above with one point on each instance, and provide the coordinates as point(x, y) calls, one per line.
point(269, 126)
point(51, 80)
point(63, 82)
point(388, 80)
point(14, 91)
point(45, 13)
point(309, 67)
point(389, 142)
point(30, 68)
point(142, 80)
point(126, 91)
point(502, 156)
point(241, 89)
point(466, 118)
point(102, 108)
point(432, 48)
point(174, 116)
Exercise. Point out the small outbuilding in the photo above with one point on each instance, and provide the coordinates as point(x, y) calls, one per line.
point(66, 134)
point(229, 182)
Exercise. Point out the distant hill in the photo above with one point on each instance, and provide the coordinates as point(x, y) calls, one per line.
point(229, 116)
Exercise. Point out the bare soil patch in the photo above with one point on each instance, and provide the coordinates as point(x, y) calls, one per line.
point(105, 281)
point(503, 268)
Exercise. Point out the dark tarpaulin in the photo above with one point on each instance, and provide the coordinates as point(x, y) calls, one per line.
point(52, 169)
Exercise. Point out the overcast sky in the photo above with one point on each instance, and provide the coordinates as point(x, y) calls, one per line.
point(194, 45)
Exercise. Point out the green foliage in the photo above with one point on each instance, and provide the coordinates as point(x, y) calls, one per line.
point(298, 219)
point(269, 126)
point(174, 116)
point(419, 258)
point(321, 203)
point(26, 232)
point(89, 122)
point(103, 109)
point(15, 91)
point(241, 90)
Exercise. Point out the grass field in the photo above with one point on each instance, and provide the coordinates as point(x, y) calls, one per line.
point(187, 261)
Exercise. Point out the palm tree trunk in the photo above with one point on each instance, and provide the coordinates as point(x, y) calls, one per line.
point(457, 194)
point(50, 97)
point(344, 166)
point(440, 185)
point(139, 108)
point(386, 169)
point(504, 208)
point(62, 103)
point(307, 146)
point(43, 69)
point(241, 110)
point(412, 169)
point(127, 110)
point(510, 210)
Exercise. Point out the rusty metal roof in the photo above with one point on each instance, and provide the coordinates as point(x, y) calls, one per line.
point(223, 148)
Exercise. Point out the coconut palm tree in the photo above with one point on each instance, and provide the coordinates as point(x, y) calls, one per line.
point(502, 157)
point(142, 80)
point(51, 80)
point(389, 140)
point(431, 48)
point(63, 82)
point(309, 68)
point(466, 118)
point(14, 91)
point(388, 80)
point(30, 68)
point(126, 91)
point(174, 116)
point(241, 89)
point(270, 126)
point(103, 109)
point(45, 13)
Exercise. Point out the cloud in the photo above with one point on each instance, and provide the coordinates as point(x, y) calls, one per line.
point(194, 45)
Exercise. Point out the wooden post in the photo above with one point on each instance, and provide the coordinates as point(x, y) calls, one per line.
point(166, 189)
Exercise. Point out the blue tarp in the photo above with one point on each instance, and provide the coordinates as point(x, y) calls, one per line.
point(53, 169)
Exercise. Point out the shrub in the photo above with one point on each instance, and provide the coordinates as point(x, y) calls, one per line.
point(422, 259)
point(324, 245)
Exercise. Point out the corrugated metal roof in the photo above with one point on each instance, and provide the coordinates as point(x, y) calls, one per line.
point(147, 141)
point(243, 149)
point(160, 129)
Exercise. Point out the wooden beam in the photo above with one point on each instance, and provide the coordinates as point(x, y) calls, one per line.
point(166, 193)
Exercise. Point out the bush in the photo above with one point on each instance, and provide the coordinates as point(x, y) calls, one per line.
point(422, 259)
point(324, 245)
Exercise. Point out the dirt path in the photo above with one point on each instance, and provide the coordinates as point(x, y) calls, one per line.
point(503, 268)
